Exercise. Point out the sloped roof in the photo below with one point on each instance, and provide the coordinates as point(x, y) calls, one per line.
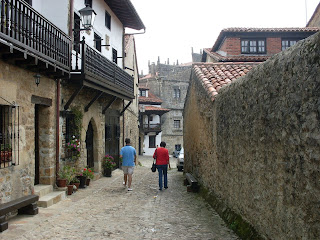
point(226, 31)
point(126, 13)
point(152, 99)
point(236, 58)
point(155, 109)
point(213, 76)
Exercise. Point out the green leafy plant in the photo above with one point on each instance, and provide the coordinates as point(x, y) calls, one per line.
point(87, 172)
point(77, 120)
point(108, 162)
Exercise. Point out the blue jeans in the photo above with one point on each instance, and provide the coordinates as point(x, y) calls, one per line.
point(163, 170)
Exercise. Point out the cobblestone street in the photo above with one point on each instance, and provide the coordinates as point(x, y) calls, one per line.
point(106, 210)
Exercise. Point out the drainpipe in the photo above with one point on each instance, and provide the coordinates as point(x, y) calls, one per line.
point(57, 127)
point(71, 18)
point(123, 124)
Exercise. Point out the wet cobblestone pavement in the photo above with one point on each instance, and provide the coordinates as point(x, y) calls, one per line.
point(106, 210)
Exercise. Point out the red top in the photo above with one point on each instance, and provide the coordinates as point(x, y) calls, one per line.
point(162, 156)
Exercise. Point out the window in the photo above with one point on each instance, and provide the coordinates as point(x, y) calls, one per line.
point(176, 123)
point(253, 46)
point(108, 20)
point(150, 118)
point(9, 137)
point(176, 93)
point(286, 43)
point(152, 141)
point(177, 147)
point(88, 2)
point(97, 42)
point(143, 93)
point(114, 56)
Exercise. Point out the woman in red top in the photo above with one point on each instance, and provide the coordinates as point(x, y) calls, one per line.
point(161, 155)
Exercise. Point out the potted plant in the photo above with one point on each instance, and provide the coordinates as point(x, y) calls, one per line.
point(62, 177)
point(89, 174)
point(108, 164)
point(76, 182)
point(73, 148)
point(82, 178)
point(70, 175)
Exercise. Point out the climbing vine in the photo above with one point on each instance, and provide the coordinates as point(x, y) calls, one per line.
point(77, 120)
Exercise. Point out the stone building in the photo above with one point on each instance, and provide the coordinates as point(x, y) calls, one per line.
point(62, 80)
point(255, 139)
point(151, 113)
point(170, 83)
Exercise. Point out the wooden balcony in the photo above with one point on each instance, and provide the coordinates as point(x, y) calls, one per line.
point(94, 70)
point(151, 128)
point(29, 40)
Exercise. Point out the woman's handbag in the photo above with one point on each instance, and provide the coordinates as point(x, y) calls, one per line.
point(154, 167)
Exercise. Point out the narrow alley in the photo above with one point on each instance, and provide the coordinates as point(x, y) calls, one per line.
point(106, 210)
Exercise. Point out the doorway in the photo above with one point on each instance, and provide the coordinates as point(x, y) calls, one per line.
point(112, 134)
point(36, 146)
point(89, 145)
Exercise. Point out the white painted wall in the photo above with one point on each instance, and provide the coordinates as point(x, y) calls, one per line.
point(149, 151)
point(115, 34)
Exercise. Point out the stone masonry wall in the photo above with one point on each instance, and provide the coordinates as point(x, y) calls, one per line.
point(18, 85)
point(257, 146)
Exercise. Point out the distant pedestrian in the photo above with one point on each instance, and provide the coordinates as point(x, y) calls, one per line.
point(129, 160)
point(161, 155)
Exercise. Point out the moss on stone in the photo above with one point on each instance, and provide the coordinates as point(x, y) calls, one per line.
point(234, 221)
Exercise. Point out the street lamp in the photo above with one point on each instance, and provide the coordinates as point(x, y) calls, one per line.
point(87, 16)
point(37, 78)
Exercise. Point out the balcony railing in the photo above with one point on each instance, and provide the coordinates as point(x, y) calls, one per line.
point(152, 127)
point(101, 71)
point(28, 30)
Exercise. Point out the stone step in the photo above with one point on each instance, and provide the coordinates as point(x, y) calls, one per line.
point(42, 190)
point(51, 198)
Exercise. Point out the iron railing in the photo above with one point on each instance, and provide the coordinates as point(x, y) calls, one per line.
point(93, 64)
point(25, 28)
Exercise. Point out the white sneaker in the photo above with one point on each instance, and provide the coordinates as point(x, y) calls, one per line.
point(129, 189)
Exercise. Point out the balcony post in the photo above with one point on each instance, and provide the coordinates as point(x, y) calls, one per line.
point(83, 54)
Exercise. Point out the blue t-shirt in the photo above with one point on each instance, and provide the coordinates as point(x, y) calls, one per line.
point(128, 153)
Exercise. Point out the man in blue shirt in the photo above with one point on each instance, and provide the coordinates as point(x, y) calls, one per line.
point(129, 159)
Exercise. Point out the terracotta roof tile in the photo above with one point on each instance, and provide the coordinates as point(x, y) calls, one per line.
point(213, 76)
point(150, 99)
point(152, 108)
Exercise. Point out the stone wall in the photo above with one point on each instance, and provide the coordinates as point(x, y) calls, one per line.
point(17, 85)
point(93, 115)
point(256, 148)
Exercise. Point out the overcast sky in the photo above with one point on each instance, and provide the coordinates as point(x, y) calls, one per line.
point(174, 26)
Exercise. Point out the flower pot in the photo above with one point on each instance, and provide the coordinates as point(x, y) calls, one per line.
point(62, 182)
point(82, 181)
point(70, 189)
point(77, 185)
point(88, 181)
point(107, 172)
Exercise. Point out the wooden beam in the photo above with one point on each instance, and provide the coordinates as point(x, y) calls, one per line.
point(105, 109)
point(125, 108)
point(41, 101)
point(99, 94)
point(76, 92)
